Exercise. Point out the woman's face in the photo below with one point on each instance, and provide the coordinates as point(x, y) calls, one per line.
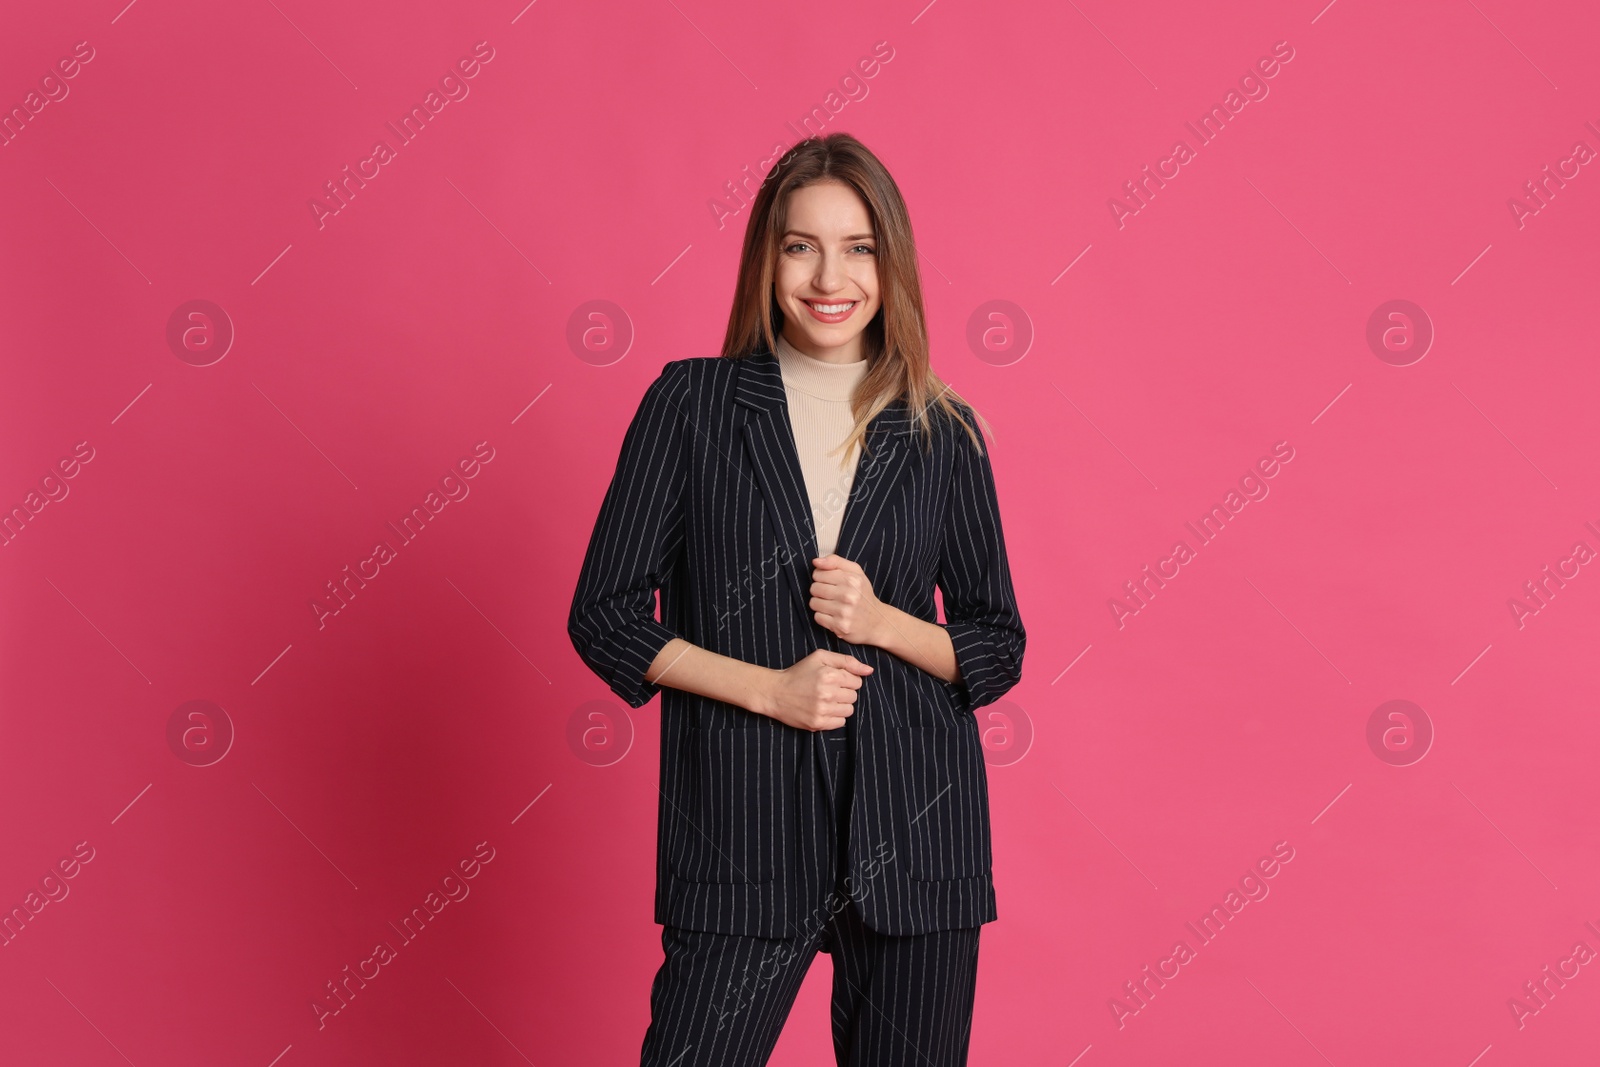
point(826, 281)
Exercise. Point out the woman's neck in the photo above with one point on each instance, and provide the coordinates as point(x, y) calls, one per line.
point(820, 378)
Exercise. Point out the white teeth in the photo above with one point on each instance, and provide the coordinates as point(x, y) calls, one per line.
point(833, 309)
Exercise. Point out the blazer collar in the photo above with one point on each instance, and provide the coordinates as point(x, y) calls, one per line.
point(769, 444)
point(760, 386)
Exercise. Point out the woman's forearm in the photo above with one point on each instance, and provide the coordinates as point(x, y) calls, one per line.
point(684, 665)
point(925, 645)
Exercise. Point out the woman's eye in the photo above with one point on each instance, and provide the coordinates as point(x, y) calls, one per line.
point(802, 246)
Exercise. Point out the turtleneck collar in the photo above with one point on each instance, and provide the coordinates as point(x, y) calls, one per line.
point(829, 381)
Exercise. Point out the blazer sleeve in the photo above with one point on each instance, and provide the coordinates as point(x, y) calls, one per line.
point(975, 581)
point(635, 543)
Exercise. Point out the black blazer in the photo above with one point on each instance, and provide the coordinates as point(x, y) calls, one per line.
point(708, 505)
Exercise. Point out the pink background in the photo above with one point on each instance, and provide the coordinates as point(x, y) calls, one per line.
point(437, 709)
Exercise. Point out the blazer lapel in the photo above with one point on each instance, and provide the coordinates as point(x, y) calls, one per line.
point(769, 443)
point(878, 480)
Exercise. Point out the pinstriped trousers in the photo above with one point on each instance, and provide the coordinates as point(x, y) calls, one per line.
point(720, 1000)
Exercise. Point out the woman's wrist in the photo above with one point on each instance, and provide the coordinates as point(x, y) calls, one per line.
point(760, 685)
point(885, 630)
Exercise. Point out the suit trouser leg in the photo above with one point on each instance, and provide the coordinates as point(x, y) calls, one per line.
point(720, 1000)
point(902, 1001)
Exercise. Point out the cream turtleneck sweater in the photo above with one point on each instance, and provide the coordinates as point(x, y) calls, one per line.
point(819, 415)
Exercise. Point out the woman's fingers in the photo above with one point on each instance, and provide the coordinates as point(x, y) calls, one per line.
point(841, 680)
point(845, 661)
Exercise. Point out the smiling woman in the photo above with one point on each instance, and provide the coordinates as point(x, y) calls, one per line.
point(822, 716)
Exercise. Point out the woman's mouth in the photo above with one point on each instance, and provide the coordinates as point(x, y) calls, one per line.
point(836, 311)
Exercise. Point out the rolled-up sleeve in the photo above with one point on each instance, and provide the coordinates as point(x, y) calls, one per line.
point(975, 582)
point(635, 543)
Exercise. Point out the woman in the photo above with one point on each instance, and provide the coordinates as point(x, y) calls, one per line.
point(796, 501)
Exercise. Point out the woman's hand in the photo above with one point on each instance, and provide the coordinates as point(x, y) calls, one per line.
point(842, 600)
point(817, 693)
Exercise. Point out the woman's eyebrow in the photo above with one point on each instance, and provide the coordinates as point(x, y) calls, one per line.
point(814, 237)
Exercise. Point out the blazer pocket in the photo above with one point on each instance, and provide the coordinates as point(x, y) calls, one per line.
point(740, 818)
point(947, 801)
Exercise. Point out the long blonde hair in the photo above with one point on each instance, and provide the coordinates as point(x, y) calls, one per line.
point(896, 340)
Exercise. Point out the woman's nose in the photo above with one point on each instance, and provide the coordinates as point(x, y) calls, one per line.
point(830, 274)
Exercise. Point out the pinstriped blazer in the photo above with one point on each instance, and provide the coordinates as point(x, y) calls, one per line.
point(708, 505)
